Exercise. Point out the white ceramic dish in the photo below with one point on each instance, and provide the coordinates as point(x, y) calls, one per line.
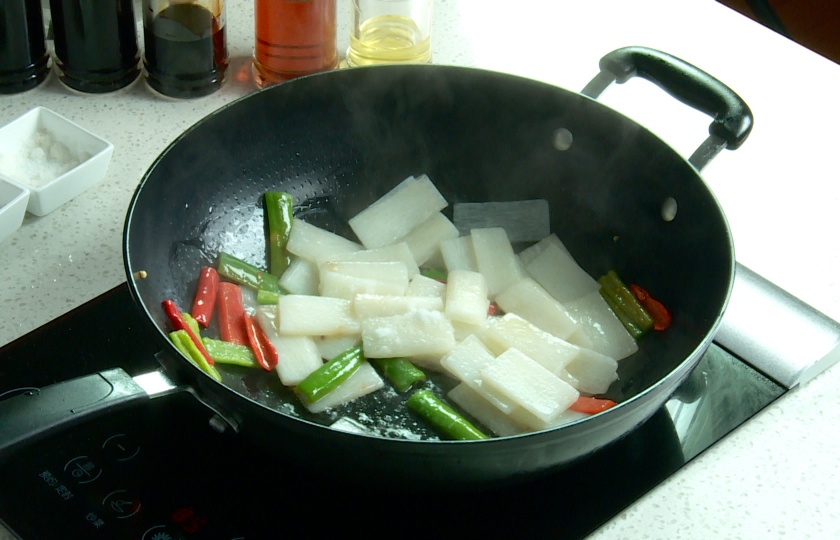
point(52, 157)
point(13, 201)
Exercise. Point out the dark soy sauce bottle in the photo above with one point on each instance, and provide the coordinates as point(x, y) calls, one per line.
point(95, 44)
point(24, 60)
point(185, 47)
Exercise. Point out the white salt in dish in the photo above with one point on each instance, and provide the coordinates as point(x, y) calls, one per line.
point(52, 157)
point(13, 201)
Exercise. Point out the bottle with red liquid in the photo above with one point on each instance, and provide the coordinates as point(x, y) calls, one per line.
point(293, 38)
point(186, 52)
point(95, 44)
point(24, 61)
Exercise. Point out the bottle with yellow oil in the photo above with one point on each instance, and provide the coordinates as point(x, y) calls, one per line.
point(390, 32)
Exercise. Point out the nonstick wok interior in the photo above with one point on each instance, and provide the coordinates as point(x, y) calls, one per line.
point(337, 141)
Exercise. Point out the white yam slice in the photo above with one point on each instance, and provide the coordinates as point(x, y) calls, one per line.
point(331, 346)
point(528, 384)
point(347, 279)
point(317, 244)
point(560, 275)
point(523, 221)
point(512, 331)
point(531, 301)
point(458, 253)
point(398, 252)
point(482, 410)
point(600, 330)
point(421, 285)
point(465, 363)
point(530, 253)
point(417, 333)
point(466, 297)
point(303, 315)
point(424, 240)
point(398, 212)
point(362, 382)
point(495, 259)
point(594, 372)
point(380, 305)
point(532, 423)
point(301, 277)
point(299, 356)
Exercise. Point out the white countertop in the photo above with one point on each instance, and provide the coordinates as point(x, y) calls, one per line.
point(777, 476)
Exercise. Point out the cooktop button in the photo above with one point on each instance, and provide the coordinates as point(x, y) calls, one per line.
point(121, 504)
point(121, 447)
point(82, 469)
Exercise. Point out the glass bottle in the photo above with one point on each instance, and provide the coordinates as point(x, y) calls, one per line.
point(186, 52)
point(95, 44)
point(390, 32)
point(24, 60)
point(293, 38)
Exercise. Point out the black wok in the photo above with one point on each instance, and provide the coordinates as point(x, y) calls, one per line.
point(337, 141)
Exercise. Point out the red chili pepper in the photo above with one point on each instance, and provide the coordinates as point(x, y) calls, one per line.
point(231, 313)
point(658, 312)
point(177, 320)
point(493, 309)
point(591, 405)
point(264, 350)
point(205, 296)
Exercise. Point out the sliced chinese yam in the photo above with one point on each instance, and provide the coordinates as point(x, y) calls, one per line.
point(600, 330)
point(495, 259)
point(465, 362)
point(317, 244)
point(523, 221)
point(512, 331)
point(303, 315)
point(417, 333)
point(531, 301)
point(299, 356)
point(399, 252)
point(301, 277)
point(594, 372)
point(331, 346)
point(528, 384)
point(403, 208)
point(347, 279)
point(466, 297)
point(381, 305)
point(530, 253)
point(532, 423)
point(424, 240)
point(458, 253)
point(482, 410)
point(421, 285)
point(363, 381)
point(560, 275)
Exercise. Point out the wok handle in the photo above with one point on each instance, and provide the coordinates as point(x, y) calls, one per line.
point(732, 118)
point(35, 411)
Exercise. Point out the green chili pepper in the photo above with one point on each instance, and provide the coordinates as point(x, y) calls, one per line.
point(278, 209)
point(226, 352)
point(247, 274)
point(624, 303)
point(184, 343)
point(443, 417)
point(327, 377)
point(438, 274)
point(400, 371)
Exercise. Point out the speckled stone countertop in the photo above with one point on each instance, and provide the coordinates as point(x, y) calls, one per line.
point(777, 476)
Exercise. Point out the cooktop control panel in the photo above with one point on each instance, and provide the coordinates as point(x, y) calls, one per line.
point(131, 474)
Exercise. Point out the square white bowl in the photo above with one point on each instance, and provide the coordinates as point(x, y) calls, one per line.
point(52, 157)
point(13, 199)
